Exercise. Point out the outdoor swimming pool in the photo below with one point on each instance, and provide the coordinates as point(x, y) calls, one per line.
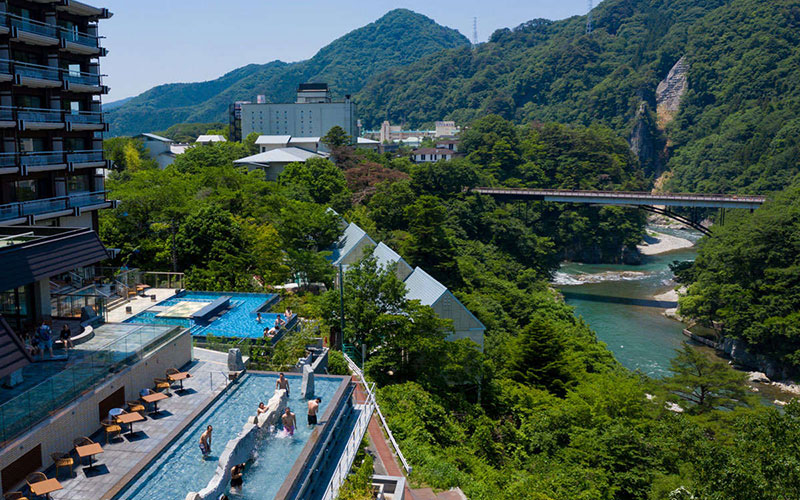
point(240, 321)
point(180, 469)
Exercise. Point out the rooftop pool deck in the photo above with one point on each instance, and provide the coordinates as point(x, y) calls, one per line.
point(240, 320)
point(180, 469)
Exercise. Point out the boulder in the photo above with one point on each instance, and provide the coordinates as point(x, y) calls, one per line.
point(235, 362)
point(307, 387)
point(758, 377)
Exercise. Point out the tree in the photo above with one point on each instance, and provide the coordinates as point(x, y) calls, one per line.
point(250, 143)
point(317, 180)
point(430, 246)
point(539, 358)
point(209, 235)
point(336, 138)
point(307, 226)
point(706, 383)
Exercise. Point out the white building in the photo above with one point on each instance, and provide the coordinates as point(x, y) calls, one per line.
point(312, 115)
point(427, 155)
point(273, 161)
point(162, 149)
point(446, 129)
point(210, 139)
point(365, 143)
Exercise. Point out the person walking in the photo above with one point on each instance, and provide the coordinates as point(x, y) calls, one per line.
point(45, 338)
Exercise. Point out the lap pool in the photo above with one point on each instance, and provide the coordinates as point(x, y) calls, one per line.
point(180, 469)
point(239, 319)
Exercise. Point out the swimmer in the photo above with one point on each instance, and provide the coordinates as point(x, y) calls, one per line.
point(282, 383)
point(313, 407)
point(289, 421)
point(205, 442)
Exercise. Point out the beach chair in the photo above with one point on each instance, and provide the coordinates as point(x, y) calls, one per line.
point(62, 460)
point(111, 427)
point(34, 477)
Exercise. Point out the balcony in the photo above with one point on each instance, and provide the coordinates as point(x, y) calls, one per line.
point(73, 204)
point(37, 76)
point(38, 33)
point(86, 159)
point(29, 26)
point(50, 119)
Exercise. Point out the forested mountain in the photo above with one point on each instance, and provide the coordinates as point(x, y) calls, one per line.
point(736, 129)
point(398, 38)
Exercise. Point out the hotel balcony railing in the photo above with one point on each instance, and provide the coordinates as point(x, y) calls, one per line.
point(85, 156)
point(85, 117)
point(48, 73)
point(48, 205)
point(40, 28)
point(8, 160)
point(32, 26)
point(42, 115)
point(38, 159)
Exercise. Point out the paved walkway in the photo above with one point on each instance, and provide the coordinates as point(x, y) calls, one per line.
point(139, 304)
point(126, 455)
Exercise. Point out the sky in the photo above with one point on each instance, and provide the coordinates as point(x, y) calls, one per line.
point(151, 42)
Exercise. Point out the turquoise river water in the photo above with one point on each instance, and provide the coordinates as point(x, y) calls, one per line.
point(618, 302)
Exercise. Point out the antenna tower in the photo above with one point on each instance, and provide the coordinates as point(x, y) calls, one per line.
point(589, 18)
point(474, 31)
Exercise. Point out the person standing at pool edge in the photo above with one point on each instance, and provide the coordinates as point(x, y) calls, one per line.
point(289, 421)
point(282, 383)
point(313, 407)
point(205, 442)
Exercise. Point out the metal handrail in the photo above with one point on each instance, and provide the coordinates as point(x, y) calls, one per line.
point(622, 194)
point(23, 208)
point(54, 27)
point(370, 394)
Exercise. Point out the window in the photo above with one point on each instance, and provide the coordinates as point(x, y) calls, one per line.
point(26, 190)
point(422, 157)
point(79, 184)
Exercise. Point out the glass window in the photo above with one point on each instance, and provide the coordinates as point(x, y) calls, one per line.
point(26, 190)
point(79, 184)
point(31, 144)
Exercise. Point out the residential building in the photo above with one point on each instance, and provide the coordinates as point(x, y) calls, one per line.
point(273, 161)
point(394, 133)
point(370, 144)
point(351, 247)
point(235, 119)
point(427, 155)
point(210, 139)
point(386, 258)
point(313, 114)
point(451, 144)
point(162, 149)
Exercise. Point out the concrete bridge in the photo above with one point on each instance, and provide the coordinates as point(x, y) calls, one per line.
point(652, 202)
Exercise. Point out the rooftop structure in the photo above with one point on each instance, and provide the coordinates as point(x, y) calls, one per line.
point(351, 246)
point(273, 161)
point(209, 139)
point(313, 113)
point(162, 149)
point(386, 257)
point(427, 155)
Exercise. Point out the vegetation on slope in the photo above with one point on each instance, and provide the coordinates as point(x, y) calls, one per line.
point(398, 38)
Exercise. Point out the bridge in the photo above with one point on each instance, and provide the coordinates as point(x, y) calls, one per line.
point(652, 202)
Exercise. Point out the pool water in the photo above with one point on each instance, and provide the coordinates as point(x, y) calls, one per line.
point(240, 321)
point(181, 469)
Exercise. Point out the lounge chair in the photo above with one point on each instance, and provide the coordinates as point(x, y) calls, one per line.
point(14, 495)
point(134, 406)
point(62, 460)
point(34, 477)
point(162, 384)
point(111, 427)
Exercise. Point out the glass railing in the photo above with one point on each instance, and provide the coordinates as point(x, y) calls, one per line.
point(6, 114)
point(71, 305)
point(40, 115)
point(37, 71)
point(84, 117)
point(87, 199)
point(89, 369)
point(38, 159)
point(5, 67)
point(85, 156)
point(32, 26)
point(80, 38)
point(82, 78)
point(47, 205)
point(8, 160)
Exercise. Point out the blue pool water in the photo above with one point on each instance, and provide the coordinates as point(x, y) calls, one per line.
point(237, 322)
point(180, 468)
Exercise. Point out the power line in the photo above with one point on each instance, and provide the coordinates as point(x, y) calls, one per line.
point(589, 18)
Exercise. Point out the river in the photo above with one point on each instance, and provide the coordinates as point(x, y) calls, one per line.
point(617, 301)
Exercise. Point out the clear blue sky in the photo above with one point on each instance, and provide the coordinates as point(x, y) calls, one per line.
point(152, 42)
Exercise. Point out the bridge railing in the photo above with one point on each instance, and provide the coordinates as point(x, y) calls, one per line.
point(624, 194)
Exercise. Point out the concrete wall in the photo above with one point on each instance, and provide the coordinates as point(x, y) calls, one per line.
point(81, 418)
point(298, 119)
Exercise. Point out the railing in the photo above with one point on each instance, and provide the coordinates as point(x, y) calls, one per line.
point(93, 368)
point(370, 394)
point(70, 305)
point(49, 73)
point(39, 159)
point(36, 207)
point(6, 113)
point(90, 117)
point(32, 26)
point(37, 114)
point(40, 28)
point(158, 279)
point(85, 156)
point(621, 194)
point(351, 449)
point(41, 115)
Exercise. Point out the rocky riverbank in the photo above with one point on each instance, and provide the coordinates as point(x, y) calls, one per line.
point(656, 243)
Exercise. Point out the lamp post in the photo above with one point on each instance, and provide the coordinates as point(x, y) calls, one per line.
point(341, 308)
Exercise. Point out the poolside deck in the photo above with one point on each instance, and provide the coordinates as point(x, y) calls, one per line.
point(139, 304)
point(124, 457)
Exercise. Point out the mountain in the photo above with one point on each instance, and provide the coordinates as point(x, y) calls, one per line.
point(398, 38)
point(108, 106)
point(707, 89)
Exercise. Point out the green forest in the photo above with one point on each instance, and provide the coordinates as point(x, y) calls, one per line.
point(544, 411)
point(398, 38)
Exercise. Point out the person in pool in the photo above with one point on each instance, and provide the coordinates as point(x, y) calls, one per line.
point(282, 383)
point(237, 471)
point(289, 421)
point(205, 442)
point(313, 407)
point(258, 318)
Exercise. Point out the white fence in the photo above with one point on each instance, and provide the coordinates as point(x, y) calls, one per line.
point(350, 450)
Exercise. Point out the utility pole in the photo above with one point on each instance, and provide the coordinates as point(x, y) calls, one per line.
point(474, 31)
point(341, 308)
point(589, 18)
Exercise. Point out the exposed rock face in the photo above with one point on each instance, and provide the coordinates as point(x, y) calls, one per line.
point(644, 140)
point(670, 91)
point(738, 351)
